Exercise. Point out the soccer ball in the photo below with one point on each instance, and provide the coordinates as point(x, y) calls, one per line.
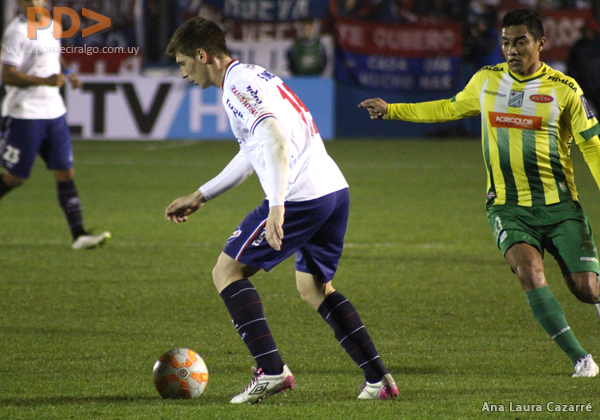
point(180, 373)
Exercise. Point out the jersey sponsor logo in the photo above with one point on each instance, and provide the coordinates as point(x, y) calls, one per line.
point(265, 75)
point(489, 92)
point(588, 110)
point(564, 81)
point(516, 98)
point(240, 97)
point(260, 238)
point(492, 68)
point(541, 99)
point(254, 94)
point(525, 122)
point(590, 259)
point(236, 113)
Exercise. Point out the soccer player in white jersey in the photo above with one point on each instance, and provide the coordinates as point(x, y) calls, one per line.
point(305, 211)
point(33, 118)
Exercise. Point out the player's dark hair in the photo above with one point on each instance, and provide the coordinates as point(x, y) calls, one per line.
point(528, 17)
point(198, 33)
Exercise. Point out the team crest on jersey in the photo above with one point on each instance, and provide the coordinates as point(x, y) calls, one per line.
point(236, 233)
point(516, 98)
point(588, 110)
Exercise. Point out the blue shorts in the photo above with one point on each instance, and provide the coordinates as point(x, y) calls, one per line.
point(314, 230)
point(22, 140)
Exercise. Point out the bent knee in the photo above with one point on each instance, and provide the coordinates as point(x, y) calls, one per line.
point(220, 277)
point(587, 295)
point(315, 294)
point(584, 286)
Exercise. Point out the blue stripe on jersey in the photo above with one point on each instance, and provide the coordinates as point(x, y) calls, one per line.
point(261, 118)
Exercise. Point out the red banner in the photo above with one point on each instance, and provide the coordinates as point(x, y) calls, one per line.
point(404, 40)
point(561, 29)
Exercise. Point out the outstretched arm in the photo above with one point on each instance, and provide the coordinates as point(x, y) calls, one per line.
point(179, 210)
point(378, 108)
point(237, 171)
point(464, 104)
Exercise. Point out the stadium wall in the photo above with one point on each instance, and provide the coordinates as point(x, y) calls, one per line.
point(170, 108)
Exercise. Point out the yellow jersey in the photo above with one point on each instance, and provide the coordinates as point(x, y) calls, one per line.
point(528, 125)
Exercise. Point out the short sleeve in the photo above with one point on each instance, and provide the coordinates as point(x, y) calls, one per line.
point(249, 104)
point(12, 48)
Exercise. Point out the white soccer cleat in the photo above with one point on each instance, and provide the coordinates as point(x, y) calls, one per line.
point(263, 385)
point(90, 241)
point(597, 305)
point(382, 390)
point(585, 368)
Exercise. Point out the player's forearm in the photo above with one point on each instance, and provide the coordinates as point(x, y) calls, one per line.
point(12, 77)
point(425, 112)
point(236, 172)
point(276, 159)
point(591, 153)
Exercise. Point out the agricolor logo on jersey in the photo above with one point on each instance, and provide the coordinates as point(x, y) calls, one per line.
point(525, 122)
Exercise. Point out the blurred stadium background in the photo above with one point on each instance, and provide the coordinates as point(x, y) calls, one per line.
point(401, 50)
point(80, 331)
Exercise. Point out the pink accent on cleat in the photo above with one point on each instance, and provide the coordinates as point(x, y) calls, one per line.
point(382, 390)
point(389, 391)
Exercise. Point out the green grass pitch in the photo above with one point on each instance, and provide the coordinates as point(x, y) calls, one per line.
point(80, 331)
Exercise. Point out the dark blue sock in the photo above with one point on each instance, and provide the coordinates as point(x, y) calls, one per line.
point(3, 187)
point(352, 335)
point(71, 205)
point(246, 310)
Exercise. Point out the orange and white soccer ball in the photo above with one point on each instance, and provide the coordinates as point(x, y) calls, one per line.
point(180, 373)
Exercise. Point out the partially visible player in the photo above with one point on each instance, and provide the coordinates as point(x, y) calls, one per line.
point(33, 118)
point(530, 115)
point(305, 212)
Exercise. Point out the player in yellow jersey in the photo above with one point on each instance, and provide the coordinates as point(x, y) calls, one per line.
point(530, 115)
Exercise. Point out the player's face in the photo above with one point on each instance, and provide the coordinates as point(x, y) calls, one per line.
point(521, 50)
point(193, 70)
point(24, 4)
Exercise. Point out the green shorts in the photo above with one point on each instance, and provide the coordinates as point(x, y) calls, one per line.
point(562, 229)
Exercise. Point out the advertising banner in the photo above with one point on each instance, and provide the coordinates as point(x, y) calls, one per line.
point(398, 57)
point(170, 108)
point(270, 10)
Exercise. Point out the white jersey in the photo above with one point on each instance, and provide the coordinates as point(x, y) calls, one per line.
point(250, 95)
point(33, 57)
